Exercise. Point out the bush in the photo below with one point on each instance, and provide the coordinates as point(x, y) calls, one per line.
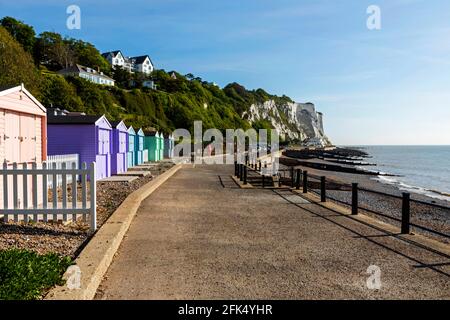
point(25, 275)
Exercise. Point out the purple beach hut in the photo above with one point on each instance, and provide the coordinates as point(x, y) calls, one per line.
point(119, 147)
point(88, 136)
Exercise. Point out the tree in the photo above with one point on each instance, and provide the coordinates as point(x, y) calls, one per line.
point(58, 92)
point(86, 54)
point(53, 52)
point(16, 65)
point(122, 76)
point(23, 33)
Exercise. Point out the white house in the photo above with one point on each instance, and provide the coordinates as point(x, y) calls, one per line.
point(116, 58)
point(88, 74)
point(142, 64)
point(133, 64)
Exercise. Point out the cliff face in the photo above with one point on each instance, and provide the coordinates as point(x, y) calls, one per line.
point(293, 121)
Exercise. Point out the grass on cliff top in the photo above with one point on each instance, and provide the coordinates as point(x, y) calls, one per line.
point(26, 275)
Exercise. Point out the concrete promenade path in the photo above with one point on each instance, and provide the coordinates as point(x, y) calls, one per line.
point(199, 236)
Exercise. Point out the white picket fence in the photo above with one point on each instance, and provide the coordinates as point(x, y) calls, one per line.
point(25, 193)
point(59, 160)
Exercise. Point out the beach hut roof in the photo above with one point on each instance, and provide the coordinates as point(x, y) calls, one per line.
point(140, 132)
point(11, 89)
point(131, 130)
point(119, 125)
point(76, 119)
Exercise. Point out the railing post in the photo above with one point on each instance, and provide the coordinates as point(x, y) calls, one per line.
point(298, 180)
point(93, 207)
point(245, 174)
point(292, 178)
point(235, 169)
point(406, 212)
point(354, 199)
point(260, 166)
point(240, 171)
point(263, 181)
point(305, 181)
point(323, 189)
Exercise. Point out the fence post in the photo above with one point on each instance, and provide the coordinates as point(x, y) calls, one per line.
point(292, 177)
point(235, 169)
point(5, 189)
point(93, 207)
point(259, 166)
point(305, 181)
point(354, 199)
point(323, 189)
point(241, 171)
point(298, 180)
point(263, 181)
point(406, 212)
point(245, 174)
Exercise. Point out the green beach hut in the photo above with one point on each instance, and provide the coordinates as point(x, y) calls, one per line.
point(151, 143)
point(161, 146)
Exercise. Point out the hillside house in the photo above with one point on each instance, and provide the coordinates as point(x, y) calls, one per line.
point(87, 73)
point(133, 64)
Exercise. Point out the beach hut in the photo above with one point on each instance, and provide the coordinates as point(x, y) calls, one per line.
point(161, 146)
point(139, 147)
point(151, 141)
point(131, 158)
point(23, 130)
point(169, 145)
point(119, 163)
point(89, 136)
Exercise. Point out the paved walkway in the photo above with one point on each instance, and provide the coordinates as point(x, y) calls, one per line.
point(201, 237)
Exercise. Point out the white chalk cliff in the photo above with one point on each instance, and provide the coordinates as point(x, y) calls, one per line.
point(293, 121)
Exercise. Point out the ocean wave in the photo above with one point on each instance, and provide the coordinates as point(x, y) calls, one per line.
point(416, 189)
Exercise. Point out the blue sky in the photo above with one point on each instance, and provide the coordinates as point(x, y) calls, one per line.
point(388, 86)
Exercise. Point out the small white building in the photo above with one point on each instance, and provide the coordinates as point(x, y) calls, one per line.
point(89, 74)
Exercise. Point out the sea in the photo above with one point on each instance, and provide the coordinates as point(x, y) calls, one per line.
point(419, 169)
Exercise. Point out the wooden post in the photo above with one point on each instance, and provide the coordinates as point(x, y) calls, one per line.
point(354, 199)
point(298, 180)
point(305, 181)
point(93, 207)
point(292, 177)
point(406, 213)
point(5, 189)
point(245, 174)
point(323, 189)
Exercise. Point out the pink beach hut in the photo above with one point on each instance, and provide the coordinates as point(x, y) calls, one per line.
point(23, 132)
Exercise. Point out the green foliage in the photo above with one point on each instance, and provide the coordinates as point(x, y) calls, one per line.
point(176, 103)
point(16, 65)
point(23, 33)
point(25, 275)
point(86, 54)
point(57, 92)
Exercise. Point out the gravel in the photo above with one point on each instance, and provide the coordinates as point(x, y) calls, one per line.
point(67, 239)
